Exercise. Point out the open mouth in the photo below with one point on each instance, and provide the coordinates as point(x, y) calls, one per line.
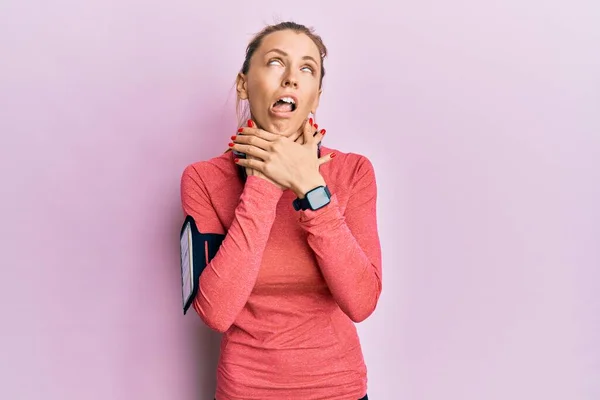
point(284, 104)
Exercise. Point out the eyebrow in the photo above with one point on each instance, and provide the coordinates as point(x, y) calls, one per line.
point(283, 53)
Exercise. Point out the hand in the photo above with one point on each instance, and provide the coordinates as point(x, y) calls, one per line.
point(297, 137)
point(284, 161)
point(250, 171)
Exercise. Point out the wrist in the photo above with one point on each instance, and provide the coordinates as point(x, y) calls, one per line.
point(306, 184)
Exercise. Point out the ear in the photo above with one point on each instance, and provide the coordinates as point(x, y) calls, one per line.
point(315, 104)
point(241, 86)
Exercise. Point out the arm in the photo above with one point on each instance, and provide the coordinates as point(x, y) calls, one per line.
point(228, 279)
point(347, 246)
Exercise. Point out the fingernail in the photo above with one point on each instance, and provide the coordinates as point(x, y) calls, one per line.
point(230, 144)
point(250, 123)
point(332, 155)
point(310, 121)
point(233, 137)
point(236, 160)
point(323, 132)
point(241, 130)
point(316, 126)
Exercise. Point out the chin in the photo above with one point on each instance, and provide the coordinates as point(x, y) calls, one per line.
point(283, 128)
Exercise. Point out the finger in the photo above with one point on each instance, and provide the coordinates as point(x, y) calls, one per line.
point(309, 131)
point(318, 137)
point(252, 140)
point(268, 136)
point(252, 163)
point(326, 158)
point(251, 150)
point(315, 128)
point(249, 171)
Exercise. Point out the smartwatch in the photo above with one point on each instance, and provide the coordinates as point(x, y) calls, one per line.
point(315, 199)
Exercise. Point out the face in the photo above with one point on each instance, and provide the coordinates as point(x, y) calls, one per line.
point(282, 83)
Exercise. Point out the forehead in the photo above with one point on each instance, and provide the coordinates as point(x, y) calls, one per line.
point(293, 43)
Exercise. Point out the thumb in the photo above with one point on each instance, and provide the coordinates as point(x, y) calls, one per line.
point(326, 158)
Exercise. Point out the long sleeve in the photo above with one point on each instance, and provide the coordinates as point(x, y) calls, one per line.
point(347, 246)
point(227, 281)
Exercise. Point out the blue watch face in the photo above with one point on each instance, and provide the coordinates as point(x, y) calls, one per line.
point(318, 198)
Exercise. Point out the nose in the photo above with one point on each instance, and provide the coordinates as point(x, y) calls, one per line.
point(290, 81)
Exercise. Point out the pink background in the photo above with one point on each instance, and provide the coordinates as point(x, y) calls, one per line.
point(483, 122)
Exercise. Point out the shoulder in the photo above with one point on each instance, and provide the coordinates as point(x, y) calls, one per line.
point(215, 169)
point(209, 174)
point(347, 160)
point(349, 167)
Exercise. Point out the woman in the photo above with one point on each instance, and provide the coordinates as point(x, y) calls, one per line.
point(301, 259)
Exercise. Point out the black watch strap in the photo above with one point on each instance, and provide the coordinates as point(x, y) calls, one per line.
point(315, 199)
point(301, 204)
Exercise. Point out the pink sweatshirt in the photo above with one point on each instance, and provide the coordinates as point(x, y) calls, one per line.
point(286, 286)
